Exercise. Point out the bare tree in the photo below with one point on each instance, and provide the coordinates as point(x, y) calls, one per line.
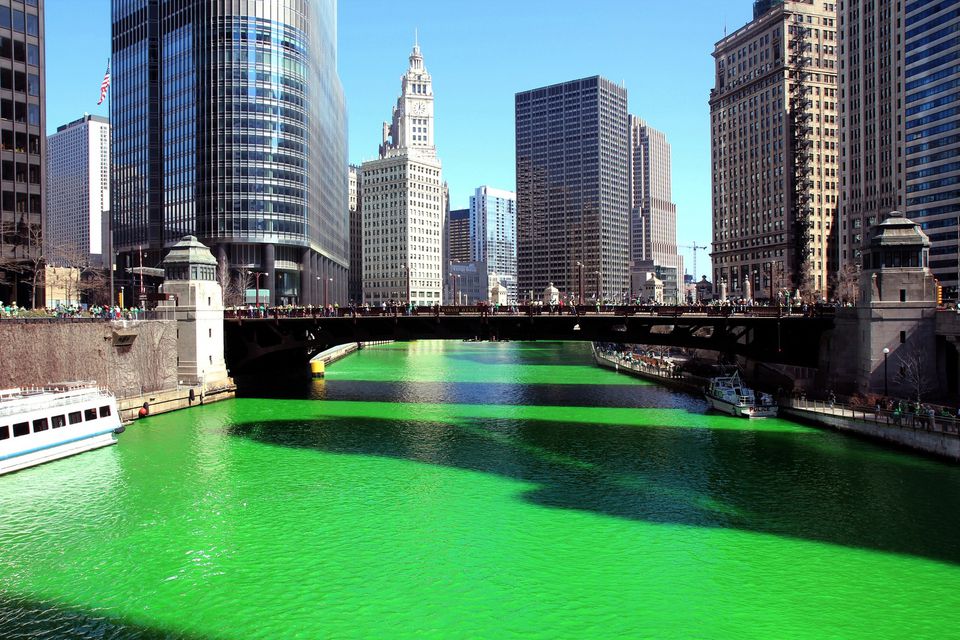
point(153, 348)
point(916, 369)
point(35, 260)
point(242, 283)
point(847, 283)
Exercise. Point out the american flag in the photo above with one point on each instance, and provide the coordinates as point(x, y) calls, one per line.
point(105, 84)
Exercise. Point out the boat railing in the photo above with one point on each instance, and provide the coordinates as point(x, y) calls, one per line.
point(41, 398)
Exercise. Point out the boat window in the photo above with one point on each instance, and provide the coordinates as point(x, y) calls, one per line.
point(75, 417)
point(21, 429)
point(105, 411)
point(4, 432)
point(58, 421)
point(40, 425)
point(89, 414)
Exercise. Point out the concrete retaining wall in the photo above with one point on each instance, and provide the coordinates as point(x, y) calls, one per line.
point(945, 445)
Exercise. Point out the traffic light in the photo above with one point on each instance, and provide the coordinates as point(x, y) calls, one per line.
point(939, 295)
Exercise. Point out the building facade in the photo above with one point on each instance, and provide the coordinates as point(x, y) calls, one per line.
point(775, 152)
point(355, 203)
point(871, 142)
point(403, 201)
point(229, 124)
point(22, 158)
point(931, 108)
point(493, 235)
point(653, 215)
point(78, 193)
point(458, 235)
point(573, 191)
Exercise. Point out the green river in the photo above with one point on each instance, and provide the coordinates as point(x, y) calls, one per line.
point(475, 490)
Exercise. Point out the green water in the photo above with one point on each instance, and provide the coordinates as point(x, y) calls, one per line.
point(472, 490)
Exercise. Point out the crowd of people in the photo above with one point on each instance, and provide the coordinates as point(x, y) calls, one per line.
point(12, 310)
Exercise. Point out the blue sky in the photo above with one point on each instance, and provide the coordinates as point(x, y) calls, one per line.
point(480, 54)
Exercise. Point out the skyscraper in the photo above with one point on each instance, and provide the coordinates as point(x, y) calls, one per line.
point(458, 235)
point(573, 192)
point(355, 203)
point(932, 121)
point(871, 113)
point(773, 120)
point(403, 201)
point(23, 116)
point(653, 215)
point(493, 235)
point(229, 124)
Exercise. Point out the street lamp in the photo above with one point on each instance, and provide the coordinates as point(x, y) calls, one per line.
point(599, 293)
point(580, 292)
point(407, 270)
point(325, 282)
point(256, 275)
point(886, 389)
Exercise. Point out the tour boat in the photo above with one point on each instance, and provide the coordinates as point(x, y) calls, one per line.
point(41, 424)
point(730, 395)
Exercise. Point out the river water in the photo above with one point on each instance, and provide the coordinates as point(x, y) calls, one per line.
point(453, 490)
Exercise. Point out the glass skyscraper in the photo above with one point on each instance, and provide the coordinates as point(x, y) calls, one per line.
point(229, 124)
point(932, 118)
point(493, 235)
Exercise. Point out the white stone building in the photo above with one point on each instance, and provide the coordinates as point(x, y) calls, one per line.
point(78, 192)
point(403, 201)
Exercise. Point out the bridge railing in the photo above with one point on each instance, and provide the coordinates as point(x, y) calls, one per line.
point(675, 311)
point(926, 420)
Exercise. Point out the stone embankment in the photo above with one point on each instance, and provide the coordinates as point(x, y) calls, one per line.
point(135, 359)
point(934, 435)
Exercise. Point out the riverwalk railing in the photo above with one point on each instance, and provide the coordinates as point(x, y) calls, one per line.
point(927, 420)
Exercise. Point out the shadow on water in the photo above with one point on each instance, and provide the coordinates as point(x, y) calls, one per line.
point(32, 620)
point(504, 393)
point(785, 484)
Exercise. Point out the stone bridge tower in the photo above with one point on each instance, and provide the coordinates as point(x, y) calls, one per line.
point(195, 300)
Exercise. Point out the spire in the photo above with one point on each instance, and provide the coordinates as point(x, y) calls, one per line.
point(416, 59)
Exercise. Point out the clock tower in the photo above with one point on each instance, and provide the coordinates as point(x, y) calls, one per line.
point(411, 131)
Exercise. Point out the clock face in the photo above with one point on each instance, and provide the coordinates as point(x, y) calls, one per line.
point(419, 108)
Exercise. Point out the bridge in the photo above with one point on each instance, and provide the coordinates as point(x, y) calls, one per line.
point(284, 340)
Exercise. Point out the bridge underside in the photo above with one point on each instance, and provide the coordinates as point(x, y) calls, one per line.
point(268, 345)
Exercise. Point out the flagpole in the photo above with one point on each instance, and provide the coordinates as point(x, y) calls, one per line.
point(112, 262)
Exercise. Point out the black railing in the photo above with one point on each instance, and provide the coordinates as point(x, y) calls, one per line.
point(927, 419)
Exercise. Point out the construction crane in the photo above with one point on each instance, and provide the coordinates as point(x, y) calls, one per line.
point(696, 247)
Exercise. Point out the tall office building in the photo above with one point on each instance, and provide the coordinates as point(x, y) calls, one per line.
point(871, 113)
point(403, 201)
point(653, 215)
point(773, 119)
point(573, 191)
point(458, 235)
point(932, 122)
point(355, 204)
point(22, 160)
point(493, 235)
point(78, 192)
point(229, 124)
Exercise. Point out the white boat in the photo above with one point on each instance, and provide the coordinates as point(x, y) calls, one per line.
point(47, 423)
point(730, 395)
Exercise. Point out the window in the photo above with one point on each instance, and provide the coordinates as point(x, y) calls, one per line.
point(903, 337)
point(5, 18)
point(4, 432)
point(21, 429)
point(33, 54)
point(33, 84)
point(104, 411)
point(33, 25)
point(40, 425)
point(90, 414)
point(58, 421)
point(18, 21)
point(75, 417)
point(33, 114)
point(903, 295)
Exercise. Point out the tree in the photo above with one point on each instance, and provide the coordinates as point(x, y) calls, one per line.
point(915, 370)
point(846, 285)
point(230, 283)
